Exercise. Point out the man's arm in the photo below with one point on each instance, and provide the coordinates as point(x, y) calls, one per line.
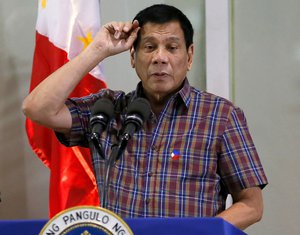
point(247, 208)
point(46, 103)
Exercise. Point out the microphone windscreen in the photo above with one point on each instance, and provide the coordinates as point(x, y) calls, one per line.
point(141, 107)
point(103, 106)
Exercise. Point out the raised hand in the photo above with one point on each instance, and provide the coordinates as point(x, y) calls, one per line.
point(115, 37)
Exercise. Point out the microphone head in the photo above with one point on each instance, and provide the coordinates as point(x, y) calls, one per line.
point(138, 112)
point(103, 106)
point(140, 107)
point(101, 113)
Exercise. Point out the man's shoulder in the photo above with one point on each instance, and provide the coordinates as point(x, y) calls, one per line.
point(208, 97)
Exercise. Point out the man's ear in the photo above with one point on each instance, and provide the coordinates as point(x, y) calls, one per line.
point(132, 57)
point(190, 56)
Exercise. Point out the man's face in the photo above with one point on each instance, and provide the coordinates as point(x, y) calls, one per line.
point(161, 59)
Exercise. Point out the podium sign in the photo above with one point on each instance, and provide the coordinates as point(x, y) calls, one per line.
point(86, 220)
point(139, 226)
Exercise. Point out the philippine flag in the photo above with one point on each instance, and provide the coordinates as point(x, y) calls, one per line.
point(64, 29)
point(175, 155)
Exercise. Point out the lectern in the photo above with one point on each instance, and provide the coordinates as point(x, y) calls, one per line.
point(139, 226)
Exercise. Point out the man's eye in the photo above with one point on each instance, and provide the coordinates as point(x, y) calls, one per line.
point(173, 47)
point(149, 47)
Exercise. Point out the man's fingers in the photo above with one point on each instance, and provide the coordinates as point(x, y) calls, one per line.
point(133, 35)
point(135, 24)
point(121, 30)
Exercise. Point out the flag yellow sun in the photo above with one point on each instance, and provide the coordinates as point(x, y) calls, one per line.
point(86, 40)
point(44, 3)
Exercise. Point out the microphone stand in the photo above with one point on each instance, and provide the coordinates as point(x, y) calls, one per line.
point(117, 150)
point(96, 154)
point(96, 151)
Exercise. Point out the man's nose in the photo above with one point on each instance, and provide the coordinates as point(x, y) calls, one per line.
point(160, 56)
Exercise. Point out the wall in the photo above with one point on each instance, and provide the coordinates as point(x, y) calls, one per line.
point(23, 178)
point(267, 77)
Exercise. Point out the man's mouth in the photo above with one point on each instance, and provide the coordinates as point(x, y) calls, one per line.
point(159, 74)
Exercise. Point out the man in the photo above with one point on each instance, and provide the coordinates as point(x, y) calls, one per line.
point(193, 151)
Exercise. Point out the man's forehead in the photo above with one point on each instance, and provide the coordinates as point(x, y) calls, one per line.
point(172, 29)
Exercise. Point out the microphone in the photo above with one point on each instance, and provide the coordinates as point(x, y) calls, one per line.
point(102, 112)
point(138, 112)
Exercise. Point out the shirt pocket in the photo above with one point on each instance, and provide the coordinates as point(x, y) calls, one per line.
point(188, 167)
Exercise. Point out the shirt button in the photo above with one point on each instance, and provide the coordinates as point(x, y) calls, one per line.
point(154, 148)
point(150, 174)
point(147, 200)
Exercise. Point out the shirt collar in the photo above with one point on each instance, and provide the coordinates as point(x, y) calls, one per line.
point(184, 93)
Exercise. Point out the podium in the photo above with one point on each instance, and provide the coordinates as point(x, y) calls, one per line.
point(139, 226)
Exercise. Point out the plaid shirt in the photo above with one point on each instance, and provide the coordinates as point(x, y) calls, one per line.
point(182, 163)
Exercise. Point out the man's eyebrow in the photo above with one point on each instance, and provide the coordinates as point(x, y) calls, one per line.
point(151, 38)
